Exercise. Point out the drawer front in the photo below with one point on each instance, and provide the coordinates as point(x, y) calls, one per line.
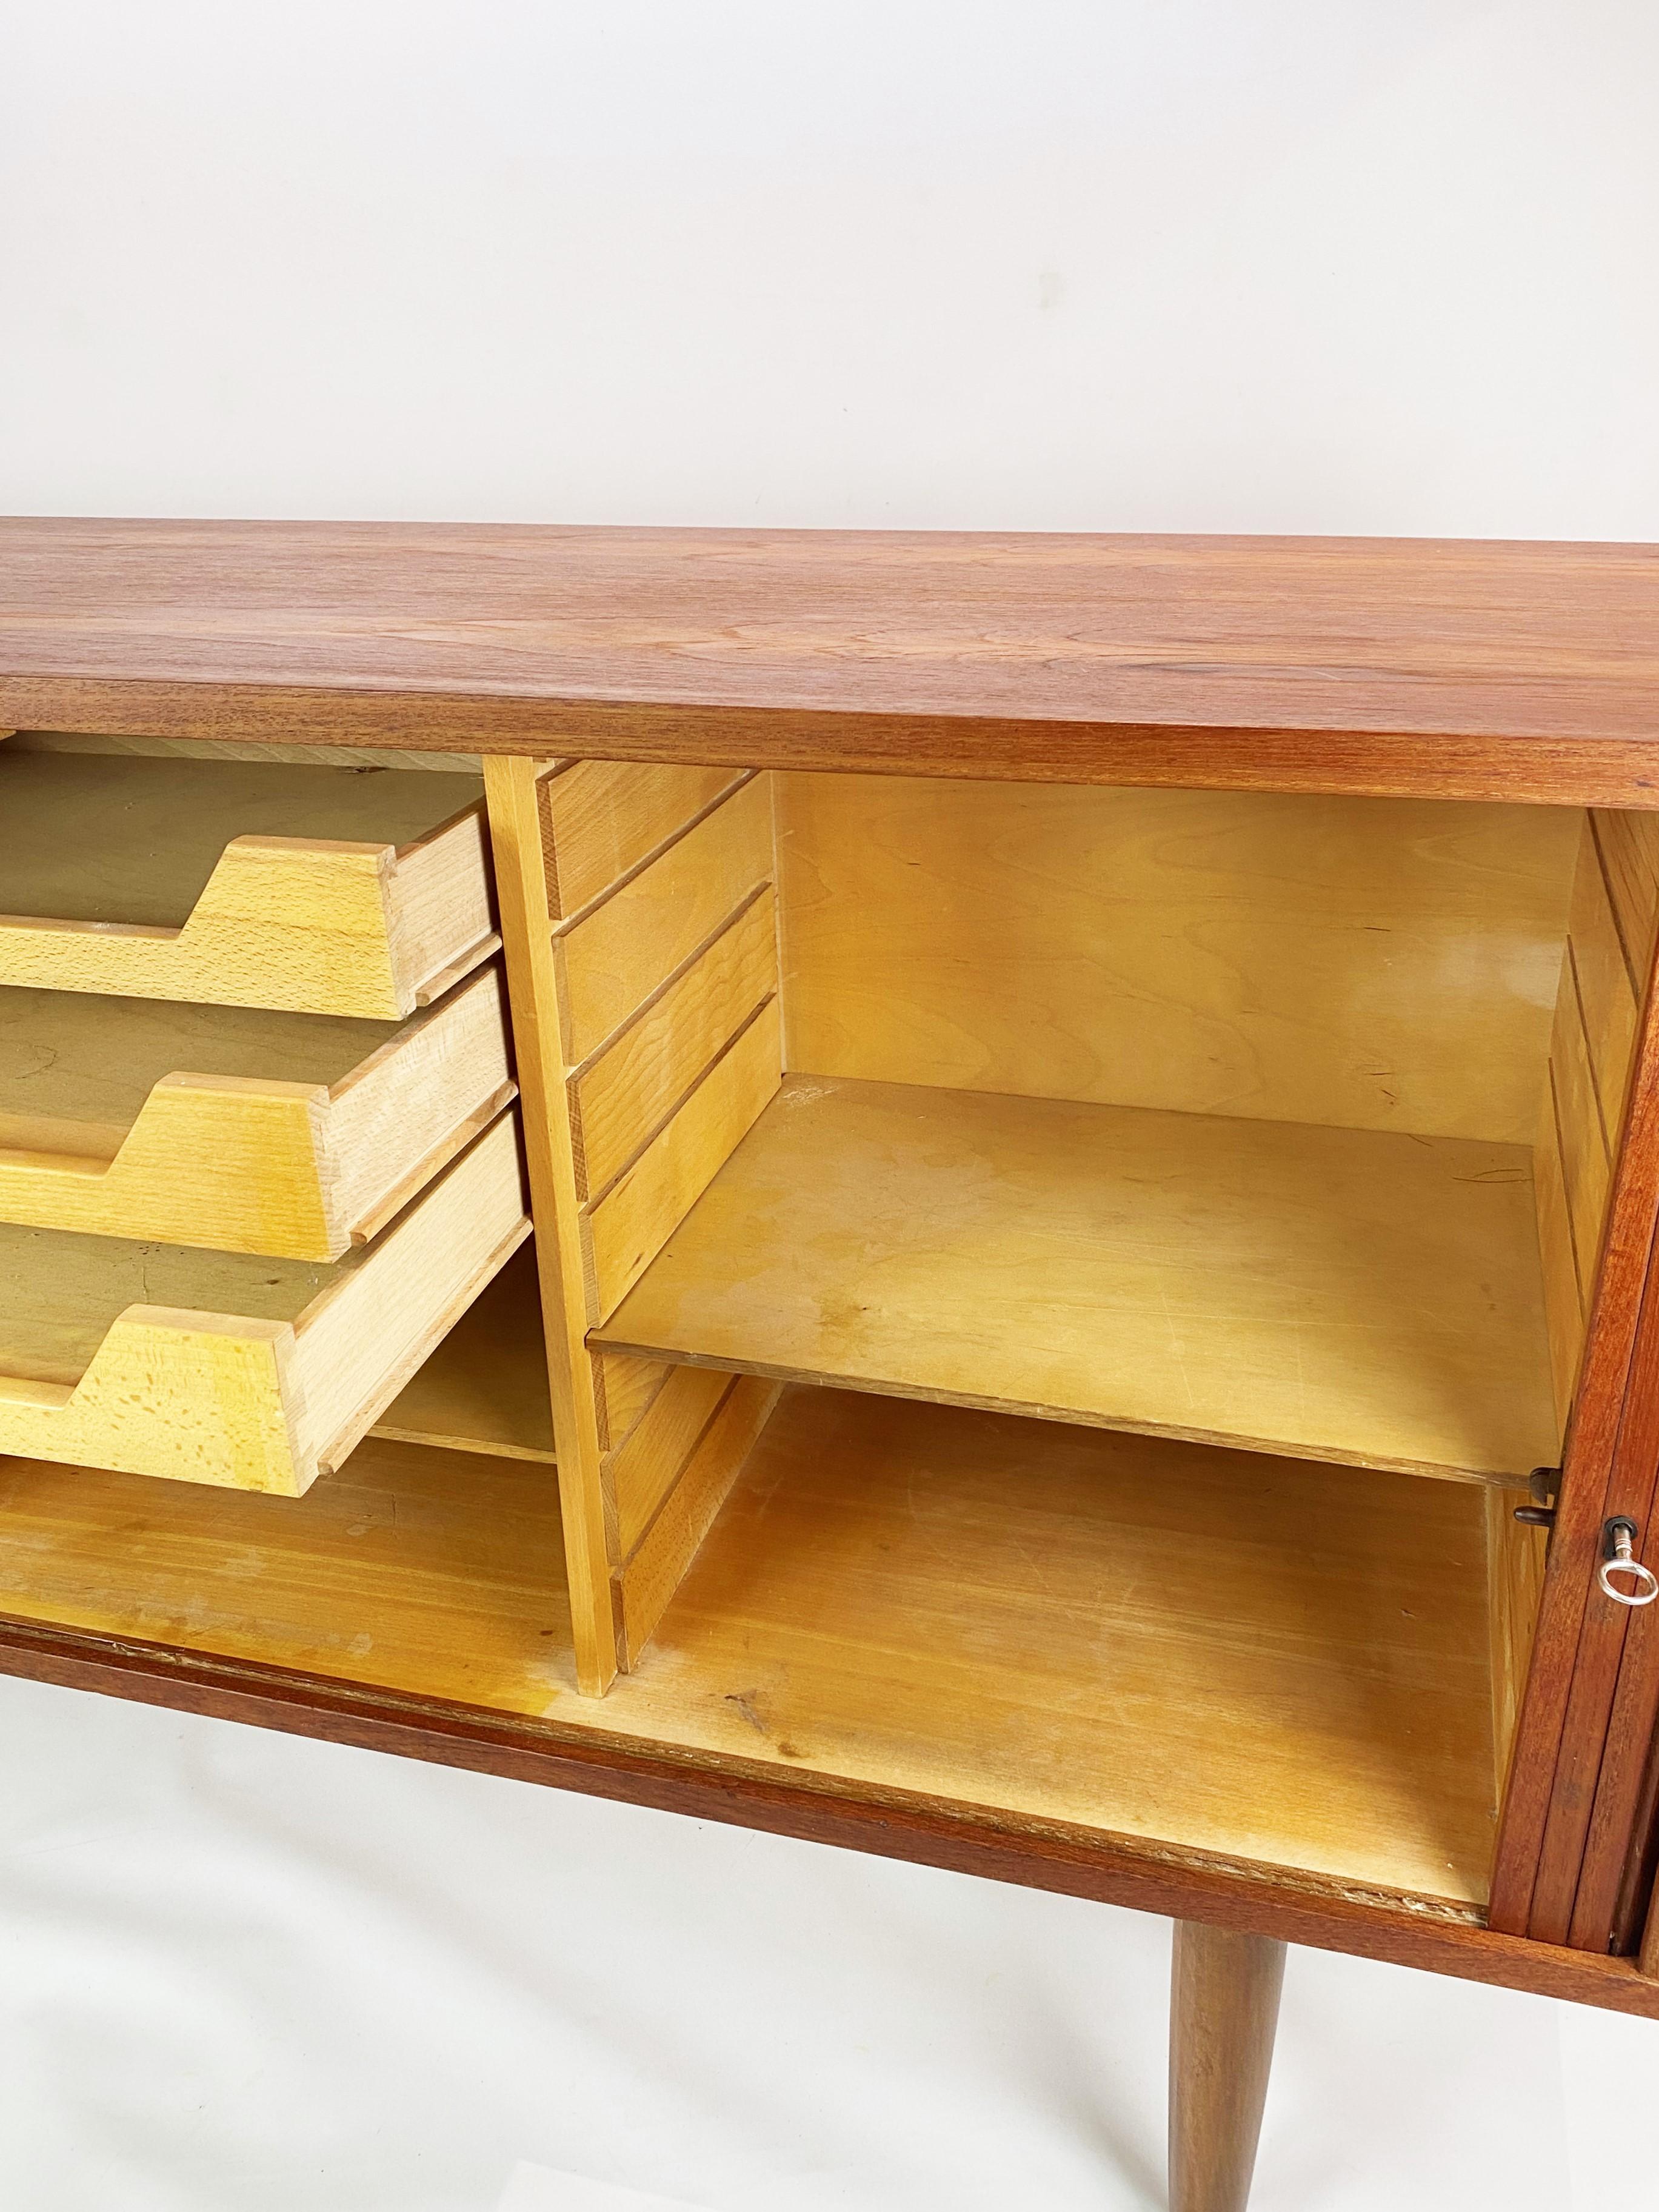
point(161, 878)
point(236, 1130)
point(254, 1374)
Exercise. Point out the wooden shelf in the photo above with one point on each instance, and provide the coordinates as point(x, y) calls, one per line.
point(221, 1368)
point(234, 1128)
point(485, 1389)
point(317, 891)
point(1373, 1299)
point(1250, 1657)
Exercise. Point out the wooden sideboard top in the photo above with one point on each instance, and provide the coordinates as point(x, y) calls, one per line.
point(1519, 670)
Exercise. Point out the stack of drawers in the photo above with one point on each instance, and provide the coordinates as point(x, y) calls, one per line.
point(257, 1149)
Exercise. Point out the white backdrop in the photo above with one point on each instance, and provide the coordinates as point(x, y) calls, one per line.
point(1190, 265)
point(1352, 265)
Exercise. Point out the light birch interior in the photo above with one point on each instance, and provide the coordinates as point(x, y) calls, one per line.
point(344, 890)
point(484, 1388)
point(1283, 1123)
point(70, 1058)
point(233, 1368)
point(1247, 1657)
point(1151, 1185)
point(1205, 1114)
point(236, 1128)
point(117, 837)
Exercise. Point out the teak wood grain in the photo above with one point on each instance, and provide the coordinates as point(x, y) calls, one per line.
point(1613, 1705)
point(233, 750)
point(1610, 929)
point(1223, 2011)
point(1515, 1554)
point(1510, 670)
point(1621, 1840)
point(1494, 672)
point(1610, 1452)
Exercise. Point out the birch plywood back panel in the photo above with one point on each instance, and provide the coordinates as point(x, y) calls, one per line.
point(1362, 963)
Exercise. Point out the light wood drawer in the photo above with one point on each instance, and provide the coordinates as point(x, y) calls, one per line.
point(257, 1374)
point(233, 1128)
point(319, 891)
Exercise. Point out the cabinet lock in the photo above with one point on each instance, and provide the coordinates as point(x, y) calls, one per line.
point(1619, 1558)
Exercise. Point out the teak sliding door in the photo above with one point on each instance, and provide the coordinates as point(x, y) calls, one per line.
point(1576, 1848)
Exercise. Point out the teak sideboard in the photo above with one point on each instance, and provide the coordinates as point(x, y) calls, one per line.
point(986, 1198)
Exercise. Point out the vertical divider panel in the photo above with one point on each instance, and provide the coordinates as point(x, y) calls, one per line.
point(680, 957)
point(647, 946)
point(513, 800)
point(670, 1542)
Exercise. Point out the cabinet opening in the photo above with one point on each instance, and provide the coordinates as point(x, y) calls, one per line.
point(1030, 1243)
point(1221, 1656)
point(1249, 1124)
point(1278, 1122)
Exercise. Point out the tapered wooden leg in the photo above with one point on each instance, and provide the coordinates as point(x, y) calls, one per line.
point(1223, 2008)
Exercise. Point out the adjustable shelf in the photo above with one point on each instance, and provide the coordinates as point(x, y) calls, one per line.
point(1363, 1298)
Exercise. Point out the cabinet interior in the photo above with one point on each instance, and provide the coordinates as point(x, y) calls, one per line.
point(1224, 1653)
point(1277, 1121)
point(1074, 1280)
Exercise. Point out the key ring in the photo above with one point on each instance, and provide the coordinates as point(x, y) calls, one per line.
point(1618, 1545)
